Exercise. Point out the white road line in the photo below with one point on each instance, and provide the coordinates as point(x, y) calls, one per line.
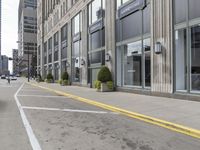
point(43, 96)
point(24, 90)
point(67, 110)
point(32, 138)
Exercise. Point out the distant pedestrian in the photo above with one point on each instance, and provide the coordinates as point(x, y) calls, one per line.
point(8, 79)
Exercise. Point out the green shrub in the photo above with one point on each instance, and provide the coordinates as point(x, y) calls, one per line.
point(65, 82)
point(48, 80)
point(97, 84)
point(104, 75)
point(59, 81)
point(110, 85)
point(65, 76)
point(49, 76)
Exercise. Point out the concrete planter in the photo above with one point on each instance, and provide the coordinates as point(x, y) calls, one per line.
point(104, 88)
point(65, 83)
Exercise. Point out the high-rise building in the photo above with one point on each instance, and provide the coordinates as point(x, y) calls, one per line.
point(5, 60)
point(27, 33)
point(15, 62)
point(150, 46)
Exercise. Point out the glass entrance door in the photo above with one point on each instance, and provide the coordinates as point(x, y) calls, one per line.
point(195, 58)
point(133, 64)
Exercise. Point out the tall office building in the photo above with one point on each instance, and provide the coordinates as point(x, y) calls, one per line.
point(5, 60)
point(15, 61)
point(27, 34)
point(150, 46)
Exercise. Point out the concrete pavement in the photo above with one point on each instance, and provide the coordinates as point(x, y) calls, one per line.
point(58, 122)
point(12, 133)
point(178, 111)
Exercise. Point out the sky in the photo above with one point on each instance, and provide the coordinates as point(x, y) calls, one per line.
point(9, 22)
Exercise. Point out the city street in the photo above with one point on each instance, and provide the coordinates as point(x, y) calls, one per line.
point(32, 118)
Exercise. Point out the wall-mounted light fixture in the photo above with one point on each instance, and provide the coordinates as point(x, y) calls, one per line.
point(67, 64)
point(82, 62)
point(107, 57)
point(158, 48)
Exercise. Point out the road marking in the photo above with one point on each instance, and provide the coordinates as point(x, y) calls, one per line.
point(42, 96)
point(67, 110)
point(32, 138)
point(162, 123)
point(24, 90)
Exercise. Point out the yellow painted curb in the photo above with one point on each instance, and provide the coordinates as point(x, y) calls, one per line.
point(162, 123)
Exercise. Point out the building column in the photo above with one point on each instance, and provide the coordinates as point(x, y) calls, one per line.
point(53, 68)
point(110, 42)
point(59, 54)
point(84, 52)
point(69, 49)
point(162, 31)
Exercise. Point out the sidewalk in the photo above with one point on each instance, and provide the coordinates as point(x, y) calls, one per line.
point(183, 112)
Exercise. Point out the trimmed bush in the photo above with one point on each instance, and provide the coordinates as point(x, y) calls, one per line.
point(49, 76)
point(65, 76)
point(104, 75)
point(97, 84)
point(65, 82)
point(110, 85)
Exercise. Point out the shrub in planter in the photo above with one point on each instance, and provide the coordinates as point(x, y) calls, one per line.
point(104, 75)
point(110, 85)
point(97, 84)
point(65, 76)
point(39, 78)
point(65, 82)
point(49, 78)
point(65, 79)
point(104, 83)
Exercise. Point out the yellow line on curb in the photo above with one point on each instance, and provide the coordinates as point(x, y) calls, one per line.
point(162, 123)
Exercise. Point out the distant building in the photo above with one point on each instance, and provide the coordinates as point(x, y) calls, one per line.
point(4, 60)
point(27, 33)
point(15, 61)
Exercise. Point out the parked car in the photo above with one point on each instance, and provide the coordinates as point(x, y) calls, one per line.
point(3, 77)
point(13, 78)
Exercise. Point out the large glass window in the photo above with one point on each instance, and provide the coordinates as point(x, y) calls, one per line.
point(64, 42)
point(50, 49)
point(96, 37)
point(187, 45)
point(181, 60)
point(195, 58)
point(133, 64)
point(56, 47)
point(134, 57)
point(96, 10)
point(76, 47)
point(45, 53)
point(147, 55)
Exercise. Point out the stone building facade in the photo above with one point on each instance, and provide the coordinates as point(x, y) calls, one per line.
point(139, 40)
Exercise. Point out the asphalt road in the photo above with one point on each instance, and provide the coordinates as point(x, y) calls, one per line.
point(32, 118)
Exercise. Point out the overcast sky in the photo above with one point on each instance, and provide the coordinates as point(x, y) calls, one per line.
point(9, 26)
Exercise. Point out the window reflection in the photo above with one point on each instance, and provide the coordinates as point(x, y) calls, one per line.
point(133, 64)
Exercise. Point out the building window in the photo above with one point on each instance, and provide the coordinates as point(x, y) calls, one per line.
point(45, 53)
point(133, 57)
point(64, 41)
point(56, 46)
point(187, 45)
point(50, 50)
point(76, 47)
